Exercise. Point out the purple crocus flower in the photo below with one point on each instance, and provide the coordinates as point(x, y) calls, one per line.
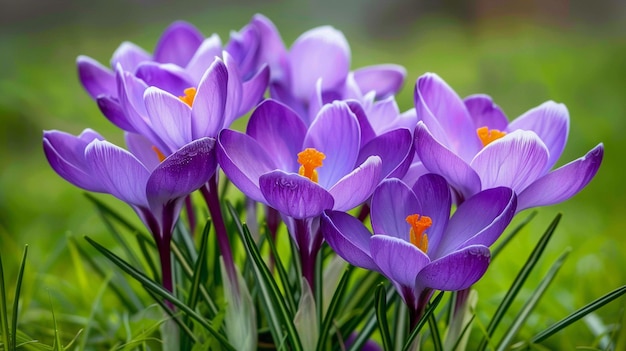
point(301, 171)
point(155, 188)
point(316, 70)
point(473, 146)
point(416, 244)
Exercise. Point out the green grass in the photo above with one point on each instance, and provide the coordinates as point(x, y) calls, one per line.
point(520, 65)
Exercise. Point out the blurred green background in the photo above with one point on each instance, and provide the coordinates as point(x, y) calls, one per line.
point(522, 53)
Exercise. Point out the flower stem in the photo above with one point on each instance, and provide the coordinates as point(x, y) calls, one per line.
point(166, 268)
point(191, 215)
point(307, 258)
point(210, 194)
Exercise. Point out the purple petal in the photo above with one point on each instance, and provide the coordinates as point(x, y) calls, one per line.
point(112, 110)
point(253, 90)
point(399, 260)
point(210, 48)
point(358, 185)
point(143, 149)
point(391, 203)
point(129, 56)
point(415, 171)
point(433, 200)
point(294, 195)
point(564, 182)
point(485, 113)
point(443, 111)
point(336, 133)
point(384, 116)
point(367, 132)
point(234, 90)
point(244, 161)
point(121, 173)
point(349, 238)
point(550, 121)
point(321, 52)
point(66, 155)
point(279, 131)
point(272, 48)
point(480, 220)
point(395, 148)
point(437, 159)
point(515, 161)
point(181, 173)
point(95, 78)
point(168, 77)
point(384, 79)
point(170, 117)
point(457, 271)
point(207, 115)
point(178, 44)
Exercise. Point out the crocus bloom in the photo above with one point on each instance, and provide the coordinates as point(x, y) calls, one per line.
point(416, 244)
point(154, 188)
point(316, 70)
point(473, 146)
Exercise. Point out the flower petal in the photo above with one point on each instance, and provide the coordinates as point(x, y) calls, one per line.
point(279, 131)
point(243, 161)
point(294, 195)
point(321, 52)
point(564, 182)
point(209, 105)
point(272, 49)
point(170, 118)
point(143, 149)
point(384, 79)
point(443, 111)
point(119, 171)
point(253, 90)
point(336, 133)
point(358, 185)
point(433, 200)
point(399, 260)
point(95, 78)
point(485, 113)
point(234, 90)
point(112, 110)
point(550, 121)
point(66, 155)
point(514, 161)
point(349, 238)
point(181, 173)
point(391, 203)
point(456, 271)
point(178, 44)
point(210, 48)
point(438, 159)
point(129, 56)
point(480, 220)
point(367, 132)
point(166, 76)
point(395, 148)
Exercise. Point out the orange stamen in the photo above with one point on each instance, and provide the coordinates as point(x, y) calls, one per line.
point(418, 225)
point(190, 94)
point(310, 159)
point(487, 136)
point(160, 155)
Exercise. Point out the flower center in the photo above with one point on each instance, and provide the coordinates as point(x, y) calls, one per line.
point(418, 225)
point(160, 155)
point(190, 94)
point(310, 159)
point(487, 136)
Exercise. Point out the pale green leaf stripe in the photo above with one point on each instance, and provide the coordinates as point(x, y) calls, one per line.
point(578, 314)
point(519, 282)
point(158, 290)
point(532, 302)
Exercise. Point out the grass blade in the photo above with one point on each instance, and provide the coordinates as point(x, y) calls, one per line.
point(18, 287)
point(434, 331)
point(158, 290)
point(519, 282)
point(429, 311)
point(531, 302)
point(4, 314)
point(199, 272)
point(282, 272)
point(329, 318)
point(381, 316)
point(578, 314)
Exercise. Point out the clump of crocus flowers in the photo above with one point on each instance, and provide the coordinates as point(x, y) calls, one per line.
point(439, 182)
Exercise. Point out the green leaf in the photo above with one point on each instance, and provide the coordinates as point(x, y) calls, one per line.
point(282, 274)
point(578, 314)
point(519, 282)
point(159, 291)
point(434, 331)
point(4, 313)
point(531, 302)
point(429, 311)
point(381, 316)
point(331, 312)
point(199, 274)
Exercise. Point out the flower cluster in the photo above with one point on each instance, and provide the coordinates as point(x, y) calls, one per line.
point(440, 182)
